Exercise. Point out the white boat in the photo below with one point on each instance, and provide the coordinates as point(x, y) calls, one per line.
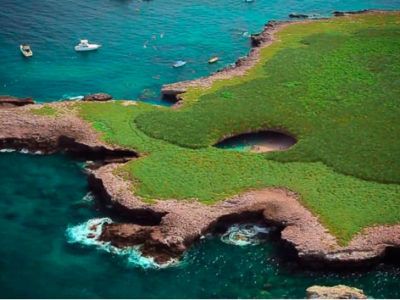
point(179, 63)
point(85, 46)
point(213, 60)
point(26, 50)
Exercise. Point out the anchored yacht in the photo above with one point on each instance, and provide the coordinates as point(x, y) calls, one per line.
point(85, 46)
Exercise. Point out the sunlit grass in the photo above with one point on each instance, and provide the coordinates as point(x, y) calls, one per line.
point(333, 84)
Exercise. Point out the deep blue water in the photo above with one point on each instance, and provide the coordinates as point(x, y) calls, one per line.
point(40, 197)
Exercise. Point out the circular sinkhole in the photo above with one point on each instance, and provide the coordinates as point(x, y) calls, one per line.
point(258, 142)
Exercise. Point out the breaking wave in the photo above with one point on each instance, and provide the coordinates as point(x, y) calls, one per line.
point(89, 197)
point(23, 151)
point(71, 97)
point(88, 234)
point(245, 234)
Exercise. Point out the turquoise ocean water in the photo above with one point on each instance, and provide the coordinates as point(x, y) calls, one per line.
point(141, 40)
point(42, 196)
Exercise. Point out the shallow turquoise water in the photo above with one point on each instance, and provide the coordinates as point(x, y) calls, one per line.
point(41, 196)
point(141, 40)
point(245, 142)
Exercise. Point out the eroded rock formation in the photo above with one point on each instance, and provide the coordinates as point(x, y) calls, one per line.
point(334, 292)
point(97, 97)
point(183, 222)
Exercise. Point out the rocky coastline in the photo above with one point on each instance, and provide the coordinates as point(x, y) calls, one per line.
point(21, 129)
point(165, 229)
point(184, 222)
point(259, 41)
point(174, 91)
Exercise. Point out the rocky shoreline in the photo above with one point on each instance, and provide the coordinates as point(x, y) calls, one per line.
point(266, 37)
point(165, 229)
point(184, 222)
point(259, 41)
point(22, 129)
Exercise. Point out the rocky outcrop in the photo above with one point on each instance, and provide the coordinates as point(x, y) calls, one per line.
point(346, 13)
point(21, 129)
point(183, 222)
point(298, 16)
point(97, 97)
point(125, 235)
point(10, 101)
point(334, 292)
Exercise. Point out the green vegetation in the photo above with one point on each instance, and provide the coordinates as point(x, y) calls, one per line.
point(337, 91)
point(116, 122)
point(334, 84)
point(45, 110)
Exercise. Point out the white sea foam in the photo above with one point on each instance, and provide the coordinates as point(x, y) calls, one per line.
point(71, 97)
point(23, 151)
point(7, 150)
point(244, 234)
point(75, 98)
point(89, 197)
point(88, 234)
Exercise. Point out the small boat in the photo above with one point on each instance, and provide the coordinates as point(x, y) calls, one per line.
point(85, 46)
point(26, 50)
point(179, 63)
point(213, 60)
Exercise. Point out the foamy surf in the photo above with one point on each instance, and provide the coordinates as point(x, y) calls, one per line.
point(71, 97)
point(22, 151)
point(7, 150)
point(88, 234)
point(245, 234)
point(89, 197)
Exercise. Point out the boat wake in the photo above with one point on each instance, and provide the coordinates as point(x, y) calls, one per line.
point(245, 234)
point(88, 234)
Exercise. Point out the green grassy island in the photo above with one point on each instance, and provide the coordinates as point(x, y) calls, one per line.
point(333, 84)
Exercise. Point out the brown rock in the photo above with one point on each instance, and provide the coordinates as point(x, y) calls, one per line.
point(10, 101)
point(125, 235)
point(334, 292)
point(97, 97)
point(345, 13)
point(298, 16)
point(181, 223)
